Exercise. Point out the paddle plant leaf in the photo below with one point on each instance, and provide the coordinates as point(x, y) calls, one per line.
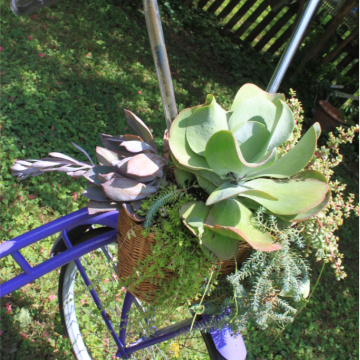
point(204, 122)
point(282, 127)
point(232, 219)
point(228, 190)
point(250, 90)
point(293, 196)
point(222, 246)
point(193, 212)
point(295, 159)
point(251, 137)
point(258, 109)
point(179, 146)
point(224, 156)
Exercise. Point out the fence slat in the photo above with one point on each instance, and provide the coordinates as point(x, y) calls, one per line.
point(250, 20)
point(202, 3)
point(279, 42)
point(240, 13)
point(215, 5)
point(228, 8)
point(337, 51)
point(346, 50)
point(274, 29)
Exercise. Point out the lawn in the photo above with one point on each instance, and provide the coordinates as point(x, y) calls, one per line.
point(68, 72)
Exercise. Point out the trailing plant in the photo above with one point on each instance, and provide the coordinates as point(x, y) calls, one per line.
point(320, 231)
point(175, 249)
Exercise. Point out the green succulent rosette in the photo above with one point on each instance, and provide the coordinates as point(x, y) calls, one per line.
point(232, 155)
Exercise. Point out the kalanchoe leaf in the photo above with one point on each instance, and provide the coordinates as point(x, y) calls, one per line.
point(183, 177)
point(93, 174)
point(142, 167)
point(106, 157)
point(283, 126)
point(95, 193)
point(122, 189)
point(113, 142)
point(141, 129)
point(256, 109)
point(251, 137)
point(204, 122)
point(84, 152)
point(311, 174)
point(128, 208)
point(95, 207)
point(205, 184)
point(137, 146)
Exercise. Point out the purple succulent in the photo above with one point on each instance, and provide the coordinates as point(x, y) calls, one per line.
point(129, 169)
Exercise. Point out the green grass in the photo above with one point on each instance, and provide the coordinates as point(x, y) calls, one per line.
point(94, 62)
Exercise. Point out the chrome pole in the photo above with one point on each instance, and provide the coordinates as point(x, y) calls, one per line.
point(158, 49)
point(293, 45)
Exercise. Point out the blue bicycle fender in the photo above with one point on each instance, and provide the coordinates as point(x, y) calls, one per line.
point(231, 347)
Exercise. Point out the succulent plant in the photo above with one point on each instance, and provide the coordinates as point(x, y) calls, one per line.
point(232, 155)
point(129, 169)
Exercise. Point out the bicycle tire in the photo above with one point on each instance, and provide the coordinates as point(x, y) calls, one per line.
point(83, 325)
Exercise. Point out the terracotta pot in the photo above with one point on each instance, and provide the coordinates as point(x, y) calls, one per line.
point(328, 116)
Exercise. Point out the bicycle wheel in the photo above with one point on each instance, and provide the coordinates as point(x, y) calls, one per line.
point(84, 325)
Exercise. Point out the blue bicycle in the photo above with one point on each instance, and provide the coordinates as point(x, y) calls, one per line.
point(102, 319)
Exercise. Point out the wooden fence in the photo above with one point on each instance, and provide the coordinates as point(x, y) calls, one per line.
point(267, 25)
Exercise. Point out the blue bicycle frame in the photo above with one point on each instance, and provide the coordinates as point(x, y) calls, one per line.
point(82, 219)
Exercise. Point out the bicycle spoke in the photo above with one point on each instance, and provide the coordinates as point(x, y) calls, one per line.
point(88, 332)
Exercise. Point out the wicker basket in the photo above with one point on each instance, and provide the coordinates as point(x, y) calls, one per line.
point(137, 247)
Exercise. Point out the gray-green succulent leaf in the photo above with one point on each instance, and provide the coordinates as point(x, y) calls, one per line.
point(233, 156)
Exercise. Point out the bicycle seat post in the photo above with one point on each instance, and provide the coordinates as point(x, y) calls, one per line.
point(158, 49)
point(292, 46)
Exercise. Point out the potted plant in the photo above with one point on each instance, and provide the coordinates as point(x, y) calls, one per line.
point(241, 179)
